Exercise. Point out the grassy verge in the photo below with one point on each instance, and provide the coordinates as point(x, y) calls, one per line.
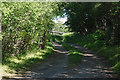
point(21, 63)
point(92, 41)
point(74, 54)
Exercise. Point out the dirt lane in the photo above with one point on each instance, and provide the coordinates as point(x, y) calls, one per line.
point(53, 67)
point(57, 66)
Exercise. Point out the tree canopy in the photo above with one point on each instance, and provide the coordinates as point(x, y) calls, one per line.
point(88, 17)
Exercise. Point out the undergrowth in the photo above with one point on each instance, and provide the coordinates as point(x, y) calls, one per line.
point(20, 63)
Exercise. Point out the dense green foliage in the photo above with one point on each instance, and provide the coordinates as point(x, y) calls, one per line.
point(86, 18)
point(91, 41)
point(60, 27)
point(26, 25)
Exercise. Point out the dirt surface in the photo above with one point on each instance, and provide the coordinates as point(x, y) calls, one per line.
point(92, 66)
point(57, 66)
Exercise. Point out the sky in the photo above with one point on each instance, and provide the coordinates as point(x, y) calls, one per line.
point(60, 19)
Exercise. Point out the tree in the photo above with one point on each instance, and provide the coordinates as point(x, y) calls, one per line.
point(87, 18)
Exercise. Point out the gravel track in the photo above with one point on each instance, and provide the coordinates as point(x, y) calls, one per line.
point(56, 66)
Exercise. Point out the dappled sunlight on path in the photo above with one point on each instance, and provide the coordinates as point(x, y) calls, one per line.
point(56, 66)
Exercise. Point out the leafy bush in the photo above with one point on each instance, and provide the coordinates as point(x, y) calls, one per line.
point(26, 25)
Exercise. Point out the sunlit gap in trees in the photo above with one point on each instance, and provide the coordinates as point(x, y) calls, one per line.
point(60, 26)
point(60, 19)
